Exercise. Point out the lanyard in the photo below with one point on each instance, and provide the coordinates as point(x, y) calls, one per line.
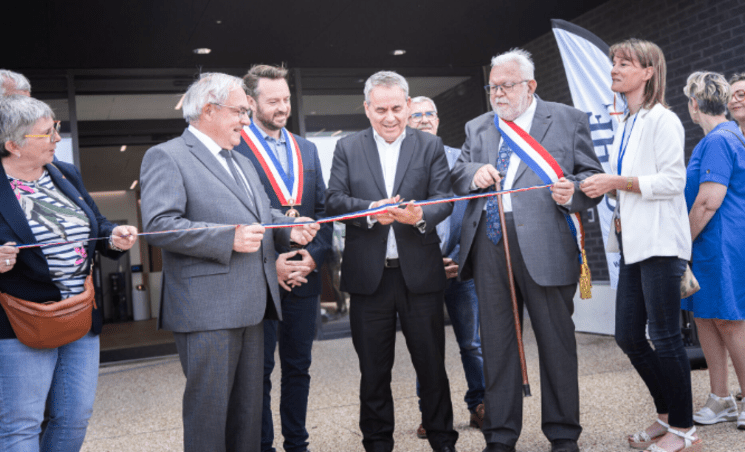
point(622, 152)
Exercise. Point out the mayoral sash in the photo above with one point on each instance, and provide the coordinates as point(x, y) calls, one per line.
point(288, 186)
point(547, 168)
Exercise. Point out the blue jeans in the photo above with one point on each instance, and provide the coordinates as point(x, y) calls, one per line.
point(649, 291)
point(67, 374)
point(295, 333)
point(463, 309)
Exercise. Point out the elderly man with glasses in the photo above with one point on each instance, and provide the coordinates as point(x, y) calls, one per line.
point(219, 275)
point(460, 296)
point(544, 251)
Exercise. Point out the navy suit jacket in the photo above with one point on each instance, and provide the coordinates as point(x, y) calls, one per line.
point(29, 279)
point(311, 205)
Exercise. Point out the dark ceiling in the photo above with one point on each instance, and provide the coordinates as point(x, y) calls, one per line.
point(94, 34)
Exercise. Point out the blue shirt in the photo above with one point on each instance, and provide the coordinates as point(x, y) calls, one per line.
point(719, 250)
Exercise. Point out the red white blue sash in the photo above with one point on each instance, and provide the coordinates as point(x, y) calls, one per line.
point(545, 166)
point(288, 186)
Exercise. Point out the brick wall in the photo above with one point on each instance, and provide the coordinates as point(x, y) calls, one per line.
point(694, 35)
point(457, 106)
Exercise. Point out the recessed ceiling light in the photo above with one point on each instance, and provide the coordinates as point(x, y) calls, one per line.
point(202, 51)
point(218, 22)
point(134, 184)
point(398, 52)
point(123, 148)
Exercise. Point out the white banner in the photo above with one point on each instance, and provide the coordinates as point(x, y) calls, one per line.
point(588, 67)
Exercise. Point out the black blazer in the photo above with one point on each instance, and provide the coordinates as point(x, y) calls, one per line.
point(311, 205)
point(29, 279)
point(357, 181)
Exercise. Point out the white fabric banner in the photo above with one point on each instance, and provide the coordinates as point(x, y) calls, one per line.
point(588, 67)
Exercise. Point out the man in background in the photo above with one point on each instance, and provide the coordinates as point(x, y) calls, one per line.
point(460, 296)
point(290, 171)
point(13, 83)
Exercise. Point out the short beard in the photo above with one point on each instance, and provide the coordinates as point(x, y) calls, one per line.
point(513, 112)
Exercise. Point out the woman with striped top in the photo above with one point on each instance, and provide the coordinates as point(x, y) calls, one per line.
point(43, 201)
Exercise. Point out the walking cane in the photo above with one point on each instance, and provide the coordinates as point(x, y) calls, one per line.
point(515, 313)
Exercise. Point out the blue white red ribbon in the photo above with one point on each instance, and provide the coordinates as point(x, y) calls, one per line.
point(348, 216)
point(287, 186)
point(548, 169)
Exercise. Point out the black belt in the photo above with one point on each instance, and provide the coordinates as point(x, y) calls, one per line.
point(391, 263)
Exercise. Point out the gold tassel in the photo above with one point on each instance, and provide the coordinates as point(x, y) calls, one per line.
point(585, 279)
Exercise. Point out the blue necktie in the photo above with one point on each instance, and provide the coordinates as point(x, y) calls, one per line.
point(493, 226)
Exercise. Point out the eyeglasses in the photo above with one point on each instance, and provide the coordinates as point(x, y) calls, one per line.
point(417, 117)
point(738, 95)
point(54, 132)
point(240, 111)
point(506, 87)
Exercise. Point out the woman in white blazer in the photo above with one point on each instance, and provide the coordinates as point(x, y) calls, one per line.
point(650, 229)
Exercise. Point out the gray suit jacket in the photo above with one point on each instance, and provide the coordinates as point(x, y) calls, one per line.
point(547, 245)
point(207, 285)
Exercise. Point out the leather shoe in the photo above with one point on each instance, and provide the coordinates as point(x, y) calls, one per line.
point(421, 433)
point(477, 417)
point(564, 445)
point(499, 447)
point(448, 448)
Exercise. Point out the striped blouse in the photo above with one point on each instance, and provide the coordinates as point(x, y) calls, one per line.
point(54, 218)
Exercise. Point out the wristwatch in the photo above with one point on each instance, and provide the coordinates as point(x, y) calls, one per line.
point(421, 225)
point(114, 247)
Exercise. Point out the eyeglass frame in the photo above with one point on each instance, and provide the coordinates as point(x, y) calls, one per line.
point(240, 111)
point(739, 95)
point(55, 131)
point(506, 87)
point(419, 116)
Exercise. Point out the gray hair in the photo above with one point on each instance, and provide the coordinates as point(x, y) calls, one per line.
point(420, 99)
point(519, 56)
point(21, 83)
point(212, 87)
point(711, 91)
point(389, 79)
point(737, 77)
point(18, 115)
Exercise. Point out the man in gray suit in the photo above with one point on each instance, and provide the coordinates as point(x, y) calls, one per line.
point(219, 276)
point(544, 252)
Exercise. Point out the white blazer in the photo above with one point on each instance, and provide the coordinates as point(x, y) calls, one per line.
point(655, 222)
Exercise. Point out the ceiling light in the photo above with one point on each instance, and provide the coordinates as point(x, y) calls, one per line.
point(218, 22)
point(336, 133)
point(202, 51)
point(134, 184)
point(398, 52)
point(180, 102)
point(123, 148)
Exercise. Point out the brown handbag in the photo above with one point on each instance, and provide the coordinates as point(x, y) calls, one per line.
point(54, 323)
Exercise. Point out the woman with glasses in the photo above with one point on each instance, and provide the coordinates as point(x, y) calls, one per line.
point(650, 229)
point(736, 105)
point(715, 193)
point(43, 201)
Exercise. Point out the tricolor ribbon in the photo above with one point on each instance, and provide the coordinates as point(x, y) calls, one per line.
point(287, 186)
point(547, 168)
point(347, 216)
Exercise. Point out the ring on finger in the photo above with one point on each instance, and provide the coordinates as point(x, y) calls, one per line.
point(7, 262)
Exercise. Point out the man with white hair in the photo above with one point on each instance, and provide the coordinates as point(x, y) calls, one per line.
point(460, 296)
point(219, 276)
point(13, 83)
point(392, 263)
point(544, 253)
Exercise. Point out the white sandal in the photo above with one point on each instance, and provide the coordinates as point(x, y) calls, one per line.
point(642, 440)
point(691, 444)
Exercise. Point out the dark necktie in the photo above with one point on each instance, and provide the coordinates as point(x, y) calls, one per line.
point(227, 154)
point(493, 226)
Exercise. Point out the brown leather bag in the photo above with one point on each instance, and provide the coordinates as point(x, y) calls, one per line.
point(54, 323)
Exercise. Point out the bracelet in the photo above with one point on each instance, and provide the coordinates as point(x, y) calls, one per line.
point(629, 184)
point(112, 246)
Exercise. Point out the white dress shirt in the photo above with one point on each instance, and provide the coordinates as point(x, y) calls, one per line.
point(215, 149)
point(525, 121)
point(388, 153)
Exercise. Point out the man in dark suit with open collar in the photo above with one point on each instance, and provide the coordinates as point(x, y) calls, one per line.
point(219, 277)
point(543, 251)
point(392, 263)
point(271, 150)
